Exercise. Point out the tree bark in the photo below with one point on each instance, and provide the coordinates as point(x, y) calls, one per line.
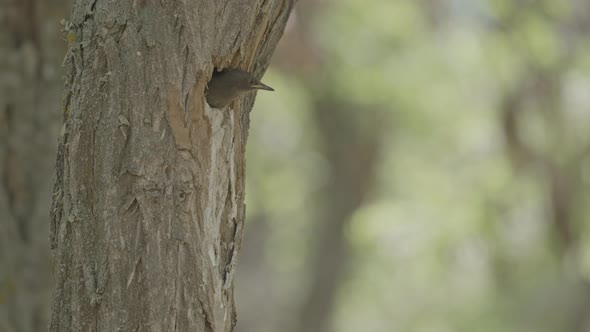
point(148, 204)
point(31, 52)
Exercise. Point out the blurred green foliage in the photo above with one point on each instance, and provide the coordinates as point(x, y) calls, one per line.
point(462, 230)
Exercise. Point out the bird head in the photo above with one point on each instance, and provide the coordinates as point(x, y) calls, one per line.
point(228, 85)
point(245, 81)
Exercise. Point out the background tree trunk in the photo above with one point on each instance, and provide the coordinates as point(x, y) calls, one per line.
point(349, 134)
point(31, 52)
point(352, 152)
point(148, 201)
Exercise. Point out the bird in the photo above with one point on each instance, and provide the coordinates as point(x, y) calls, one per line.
point(226, 86)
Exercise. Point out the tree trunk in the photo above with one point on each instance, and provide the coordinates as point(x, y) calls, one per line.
point(31, 52)
point(349, 138)
point(352, 152)
point(148, 205)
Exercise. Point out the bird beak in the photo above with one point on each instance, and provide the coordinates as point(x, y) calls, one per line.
point(261, 86)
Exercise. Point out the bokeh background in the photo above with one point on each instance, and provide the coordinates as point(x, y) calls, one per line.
point(424, 165)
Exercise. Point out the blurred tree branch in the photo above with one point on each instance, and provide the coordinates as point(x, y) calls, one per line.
point(540, 86)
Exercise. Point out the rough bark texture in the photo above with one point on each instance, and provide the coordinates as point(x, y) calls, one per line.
point(148, 205)
point(31, 52)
